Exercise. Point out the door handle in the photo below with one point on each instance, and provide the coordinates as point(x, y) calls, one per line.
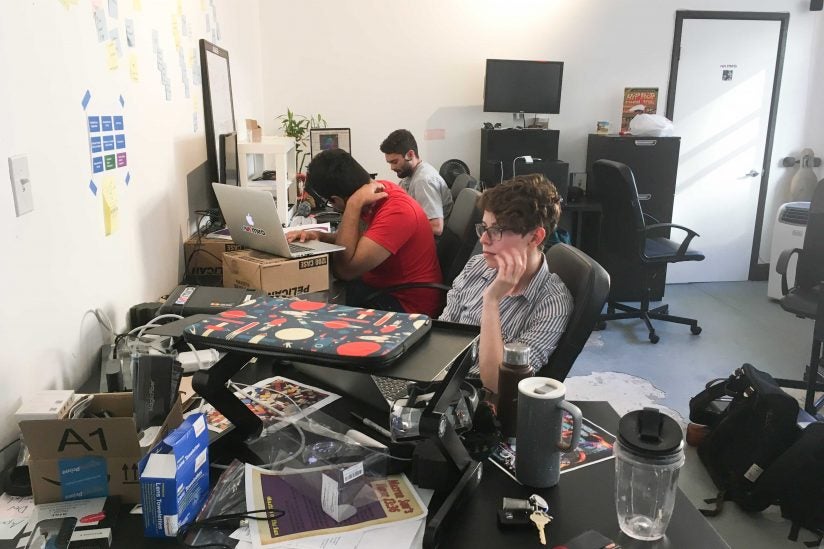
point(752, 173)
point(644, 196)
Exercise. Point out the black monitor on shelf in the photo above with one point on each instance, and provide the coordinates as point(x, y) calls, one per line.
point(228, 172)
point(523, 86)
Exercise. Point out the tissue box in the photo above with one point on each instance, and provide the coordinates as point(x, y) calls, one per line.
point(174, 478)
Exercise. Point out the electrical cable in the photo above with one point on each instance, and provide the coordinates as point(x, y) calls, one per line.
point(229, 521)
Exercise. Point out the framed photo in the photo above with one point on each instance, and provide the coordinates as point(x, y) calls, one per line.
point(326, 139)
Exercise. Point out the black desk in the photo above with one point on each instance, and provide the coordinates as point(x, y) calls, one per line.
point(583, 500)
point(585, 215)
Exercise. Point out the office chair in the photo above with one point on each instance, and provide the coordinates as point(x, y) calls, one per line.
point(454, 247)
point(461, 182)
point(626, 242)
point(588, 283)
point(806, 298)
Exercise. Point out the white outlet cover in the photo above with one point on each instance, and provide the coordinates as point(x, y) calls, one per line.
point(21, 184)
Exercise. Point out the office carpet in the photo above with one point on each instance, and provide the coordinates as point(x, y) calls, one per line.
point(740, 325)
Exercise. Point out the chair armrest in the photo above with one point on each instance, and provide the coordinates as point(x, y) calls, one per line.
point(383, 291)
point(781, 267)
point(685, 244)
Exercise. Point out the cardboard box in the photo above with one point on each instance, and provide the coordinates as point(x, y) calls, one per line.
point(205, 261)
point(277, 276)
point(89, 457)
point(174, 478)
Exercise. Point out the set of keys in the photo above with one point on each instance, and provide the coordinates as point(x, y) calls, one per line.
point(516, 512)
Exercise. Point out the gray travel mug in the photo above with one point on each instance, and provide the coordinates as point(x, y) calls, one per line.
point(540, 426)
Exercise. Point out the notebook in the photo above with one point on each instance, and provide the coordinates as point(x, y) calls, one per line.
point(252, 219)
point(311, 331)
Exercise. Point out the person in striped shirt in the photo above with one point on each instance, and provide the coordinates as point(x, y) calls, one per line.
point(508, 290)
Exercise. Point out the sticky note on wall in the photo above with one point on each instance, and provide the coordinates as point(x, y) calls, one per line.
point(110, 207)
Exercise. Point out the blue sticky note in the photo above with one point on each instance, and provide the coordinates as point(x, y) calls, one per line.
point(94, 123)
point(96, 144)
point(119, 141)
point(93, 187)
point(118, 123)
point(122, 101)
point(130, 33)
point(97, 164)
point(83, 477)
point(86, 98)
point(128, 177)
point(108, 142)
point(106, 122)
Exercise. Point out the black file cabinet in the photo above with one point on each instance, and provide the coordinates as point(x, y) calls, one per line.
point(654, 161)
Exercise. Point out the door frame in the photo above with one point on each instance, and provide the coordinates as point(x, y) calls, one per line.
point(757, 271)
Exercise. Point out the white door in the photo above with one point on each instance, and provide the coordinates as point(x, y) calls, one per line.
point(721, 111)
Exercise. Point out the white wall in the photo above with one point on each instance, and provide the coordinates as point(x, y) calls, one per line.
point(376, 66)
point(57, 263)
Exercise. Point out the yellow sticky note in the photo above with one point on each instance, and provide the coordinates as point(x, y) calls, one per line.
point(180, 7)
point(138, 5)
point(68, 3)
point(111, 55)
point(176, 32)
point(133, 67)
point(110, 208)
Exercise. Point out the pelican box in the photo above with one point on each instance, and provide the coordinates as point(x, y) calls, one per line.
point(277, 276)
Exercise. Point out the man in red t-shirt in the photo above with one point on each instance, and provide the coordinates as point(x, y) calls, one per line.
point(396, 246)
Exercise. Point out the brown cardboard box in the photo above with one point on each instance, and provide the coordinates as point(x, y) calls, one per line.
point(206, 261)
point(277, 276)
point(58, 445)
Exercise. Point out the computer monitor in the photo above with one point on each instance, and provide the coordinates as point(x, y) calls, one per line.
point(523, 86)
point(228, 173)
point(325, 139)
point(218, 110)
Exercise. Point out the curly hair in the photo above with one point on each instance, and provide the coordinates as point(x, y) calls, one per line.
point(524, 203)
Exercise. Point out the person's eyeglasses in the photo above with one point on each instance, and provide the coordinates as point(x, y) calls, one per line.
point(494, 232)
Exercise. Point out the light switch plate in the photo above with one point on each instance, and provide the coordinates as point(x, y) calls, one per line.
point(21, 184)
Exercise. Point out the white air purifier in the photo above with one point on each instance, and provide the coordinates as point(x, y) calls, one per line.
point(788, 233)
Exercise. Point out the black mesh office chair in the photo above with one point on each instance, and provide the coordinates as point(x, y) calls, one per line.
point(461, 182)
point(588, 283)
point(806, 298)
point(455, 245)
point(626, 241)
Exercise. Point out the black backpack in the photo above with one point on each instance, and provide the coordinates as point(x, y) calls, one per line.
point(748, 433)
point(796, 480)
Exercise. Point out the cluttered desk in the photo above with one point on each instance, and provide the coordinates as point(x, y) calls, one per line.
point(419, 486)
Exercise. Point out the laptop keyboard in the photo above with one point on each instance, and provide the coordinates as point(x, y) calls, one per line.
point(392, 389)
point(297, 248)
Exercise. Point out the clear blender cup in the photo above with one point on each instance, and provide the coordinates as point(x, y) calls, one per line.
point(649, 454)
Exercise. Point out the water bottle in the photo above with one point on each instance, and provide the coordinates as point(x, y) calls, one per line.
point(514, 368)
point(649, 454)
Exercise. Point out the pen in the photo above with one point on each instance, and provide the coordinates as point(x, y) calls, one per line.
point(369, 423)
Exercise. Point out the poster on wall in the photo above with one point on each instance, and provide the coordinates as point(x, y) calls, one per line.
point(108, 157)
point(638, 101)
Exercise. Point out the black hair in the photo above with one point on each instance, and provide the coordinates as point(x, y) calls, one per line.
point(399, 142)
point(335, 173)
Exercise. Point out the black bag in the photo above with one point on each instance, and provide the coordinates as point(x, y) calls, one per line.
point(796, 479)
point(747, 435)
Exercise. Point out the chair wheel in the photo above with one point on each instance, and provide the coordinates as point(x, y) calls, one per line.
point(695, 330)
point(600, 325)
point(653, 338)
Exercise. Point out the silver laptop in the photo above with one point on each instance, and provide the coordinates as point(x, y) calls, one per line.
point(252, 218)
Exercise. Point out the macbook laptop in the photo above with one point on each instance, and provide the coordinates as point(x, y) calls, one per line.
point(252, 218)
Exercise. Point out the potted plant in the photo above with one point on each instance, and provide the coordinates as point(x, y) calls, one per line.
point(298, 126)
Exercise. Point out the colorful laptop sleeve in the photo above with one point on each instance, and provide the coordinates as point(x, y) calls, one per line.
point(310, 331)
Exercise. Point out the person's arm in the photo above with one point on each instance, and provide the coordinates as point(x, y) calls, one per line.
point(426, 194)
point(437, 225)
point(511, 267)
point(362, 254)
point(303, 236)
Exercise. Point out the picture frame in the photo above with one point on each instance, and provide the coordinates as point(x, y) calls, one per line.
point(323, 139)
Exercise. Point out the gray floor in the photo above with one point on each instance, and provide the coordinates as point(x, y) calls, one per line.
point(740, 324)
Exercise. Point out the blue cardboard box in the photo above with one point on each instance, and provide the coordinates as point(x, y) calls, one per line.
point(174, 478)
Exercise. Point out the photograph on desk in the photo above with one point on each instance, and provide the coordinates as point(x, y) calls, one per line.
point(276, 393)
point(595, 445)
point(381, 503)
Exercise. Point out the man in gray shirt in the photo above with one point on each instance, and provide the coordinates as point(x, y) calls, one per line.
point(418, 178)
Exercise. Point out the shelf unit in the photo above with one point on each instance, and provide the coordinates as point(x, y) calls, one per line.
point(271, 153)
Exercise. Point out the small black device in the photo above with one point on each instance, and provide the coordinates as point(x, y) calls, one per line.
point(191, 300)
point(52, 533)
point(816, 5)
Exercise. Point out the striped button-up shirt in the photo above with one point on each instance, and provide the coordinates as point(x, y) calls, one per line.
point(537, 317)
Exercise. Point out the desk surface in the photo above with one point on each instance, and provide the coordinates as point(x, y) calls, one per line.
point(583, 500)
